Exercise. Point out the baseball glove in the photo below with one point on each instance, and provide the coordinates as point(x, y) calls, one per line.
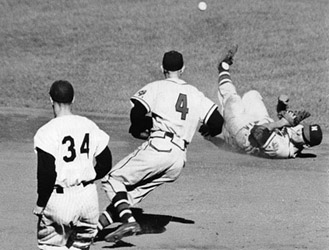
point(294, 117)
point(228, 58)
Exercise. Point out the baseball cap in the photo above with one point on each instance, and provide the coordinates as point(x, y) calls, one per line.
point(172, 61)
point(61, 91)
point(312, 134)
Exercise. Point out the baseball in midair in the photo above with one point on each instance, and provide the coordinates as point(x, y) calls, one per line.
point(202, 6)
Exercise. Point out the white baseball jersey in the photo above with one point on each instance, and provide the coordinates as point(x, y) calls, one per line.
point(74, 141)
point(176, 106)
point(280, 144)
point(240, 115)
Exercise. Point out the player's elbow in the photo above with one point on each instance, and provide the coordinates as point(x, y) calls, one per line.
point(103, 163)
point(215, 123)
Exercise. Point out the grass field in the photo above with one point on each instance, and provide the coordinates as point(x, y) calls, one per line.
point(108, 49)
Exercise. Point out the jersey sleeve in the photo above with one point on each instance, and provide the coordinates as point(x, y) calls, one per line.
point(208, 107)
point(102, 140)
point(277, 146)
point(45, 139)
point(146, 95)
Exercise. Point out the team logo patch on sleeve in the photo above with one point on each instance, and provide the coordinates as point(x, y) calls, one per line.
point(142, 92)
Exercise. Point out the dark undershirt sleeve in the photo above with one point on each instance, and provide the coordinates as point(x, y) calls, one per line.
point(139, 121)
point(215, 123)
point(46, 176)
point(103, 163)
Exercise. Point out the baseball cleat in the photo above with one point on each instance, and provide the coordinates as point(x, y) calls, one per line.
point(228, 58)
point(126, 229)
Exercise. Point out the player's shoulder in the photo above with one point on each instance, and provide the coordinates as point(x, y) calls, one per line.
point(47, 126)
point(84, 121)
point(46, 132)
point(59, 122)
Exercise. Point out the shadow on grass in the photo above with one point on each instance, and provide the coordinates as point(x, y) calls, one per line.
point(220, 143)
point(150, 224)
point(306, 155)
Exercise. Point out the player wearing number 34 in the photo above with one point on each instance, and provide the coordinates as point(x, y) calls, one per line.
point(167, 113)
point(67, 148)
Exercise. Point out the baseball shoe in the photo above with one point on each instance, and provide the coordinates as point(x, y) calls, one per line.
point(228, 58)
point(126, 229)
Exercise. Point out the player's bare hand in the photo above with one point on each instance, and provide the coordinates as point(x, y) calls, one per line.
point(293, 118)
point(290, 117)
point(204, 130)
point(38, 210)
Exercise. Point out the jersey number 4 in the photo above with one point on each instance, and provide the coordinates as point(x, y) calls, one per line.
point(181, 106)
point(84, 148)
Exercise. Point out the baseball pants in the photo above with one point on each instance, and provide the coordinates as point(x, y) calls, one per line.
point(240, 113)
point(155, 162)
point(69, 219)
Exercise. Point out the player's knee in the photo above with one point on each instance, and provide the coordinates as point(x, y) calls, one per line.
point(254, 94)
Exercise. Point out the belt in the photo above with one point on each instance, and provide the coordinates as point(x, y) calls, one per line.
point(60, 190)
point(181, 143)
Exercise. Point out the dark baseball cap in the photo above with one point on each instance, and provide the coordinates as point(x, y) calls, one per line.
point(61, 91)
point(312, 134)
point(172, 61)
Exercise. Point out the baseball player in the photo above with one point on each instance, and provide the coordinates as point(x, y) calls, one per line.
point(167, 114)
point(249, 127)
point(66, 147)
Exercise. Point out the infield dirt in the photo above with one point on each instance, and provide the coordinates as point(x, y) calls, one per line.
point(222, 200)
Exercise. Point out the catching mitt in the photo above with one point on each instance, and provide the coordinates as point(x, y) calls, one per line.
point(294, 117)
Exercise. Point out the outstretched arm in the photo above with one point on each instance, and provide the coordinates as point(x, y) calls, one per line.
point(277, 124)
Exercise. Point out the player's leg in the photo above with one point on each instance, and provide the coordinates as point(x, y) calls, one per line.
point(233, 108)
point(225, 85)
point(114, 185)
point(170, 175)
point(167, 166)
point(85, 226)
point(115, 189)
point(161, 158)
point(255, 106)
point(143, 168)
point(54, 227)
point(226, 89)
point(119, 210)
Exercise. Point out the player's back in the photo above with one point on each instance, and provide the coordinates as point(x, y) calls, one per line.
point(176, 106)
point(74, 141)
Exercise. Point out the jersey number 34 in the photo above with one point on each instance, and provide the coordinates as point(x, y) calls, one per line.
point(84, 148)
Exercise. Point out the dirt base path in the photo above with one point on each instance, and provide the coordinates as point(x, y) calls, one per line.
point(222, 200)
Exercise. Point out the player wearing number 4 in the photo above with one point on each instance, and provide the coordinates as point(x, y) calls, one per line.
point(166, 113)
point(66, 147)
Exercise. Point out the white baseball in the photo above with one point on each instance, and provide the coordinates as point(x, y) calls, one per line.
point(202, 6)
